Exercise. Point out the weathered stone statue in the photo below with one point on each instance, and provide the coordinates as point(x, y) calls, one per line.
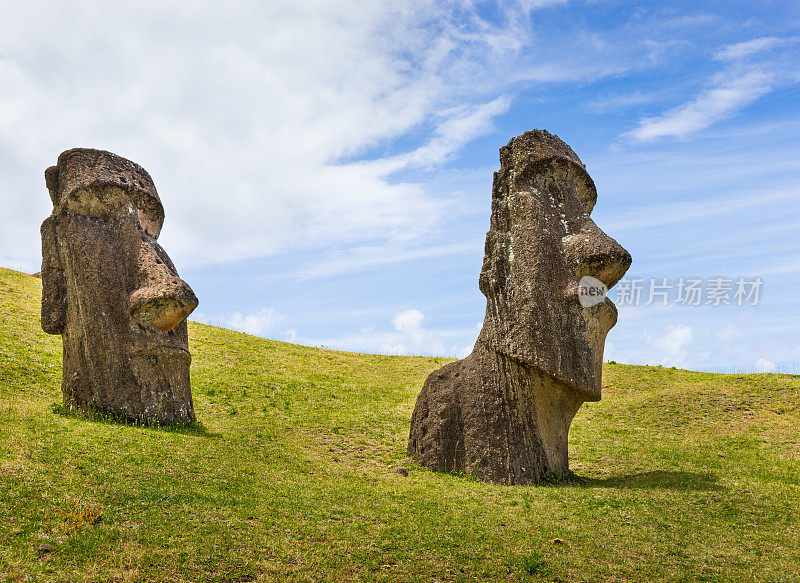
point(112, 292)
point(503, 412)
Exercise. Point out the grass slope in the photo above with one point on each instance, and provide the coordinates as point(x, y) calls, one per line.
point(688, 476)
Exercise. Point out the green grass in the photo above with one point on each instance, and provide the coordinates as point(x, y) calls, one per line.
point(292, 476)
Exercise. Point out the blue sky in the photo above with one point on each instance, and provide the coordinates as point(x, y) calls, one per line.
point(326, 165)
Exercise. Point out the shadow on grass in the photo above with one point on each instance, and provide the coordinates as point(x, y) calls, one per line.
point(196, 428)
point(655, 480)
point(658, 479)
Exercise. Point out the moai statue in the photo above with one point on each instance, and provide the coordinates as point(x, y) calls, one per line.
point(503, 413)
point(112, 292)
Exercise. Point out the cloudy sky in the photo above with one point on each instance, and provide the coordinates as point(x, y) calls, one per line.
point(326, 165)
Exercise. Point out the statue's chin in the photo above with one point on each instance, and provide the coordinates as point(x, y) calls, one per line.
point(584, 384)
point(588, 386)
point(586, 389)
point(588, 393)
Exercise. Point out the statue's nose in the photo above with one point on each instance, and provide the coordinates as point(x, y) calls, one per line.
point(593, 252)
point(162, 300)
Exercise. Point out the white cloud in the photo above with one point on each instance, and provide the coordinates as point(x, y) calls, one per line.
point(248, 117)
point(411, 338)
point(622, 101)
point(660, 214)
point(672, 344)
point(408, 337)
point(363, 257)
point(460, 125)
point(258, 323)
point(264, 323)
point(750, 47)
point(255, 119)
point(408, 321)
point(726, 96)
point(531, 5)
point(764, 365)
point(742, 82)
point(730, 332)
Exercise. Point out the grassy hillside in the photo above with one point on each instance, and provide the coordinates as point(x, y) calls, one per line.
point(292, 477)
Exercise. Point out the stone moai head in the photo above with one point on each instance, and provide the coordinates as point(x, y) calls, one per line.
point(503, 413)
point(541, 242)
point(112, 292)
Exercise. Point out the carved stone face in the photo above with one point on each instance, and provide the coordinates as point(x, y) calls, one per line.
point(542, 241)
point(113, 292)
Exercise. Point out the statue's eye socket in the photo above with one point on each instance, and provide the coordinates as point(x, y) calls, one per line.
point(103, 203)
point(87, 203)
point(578, 181)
